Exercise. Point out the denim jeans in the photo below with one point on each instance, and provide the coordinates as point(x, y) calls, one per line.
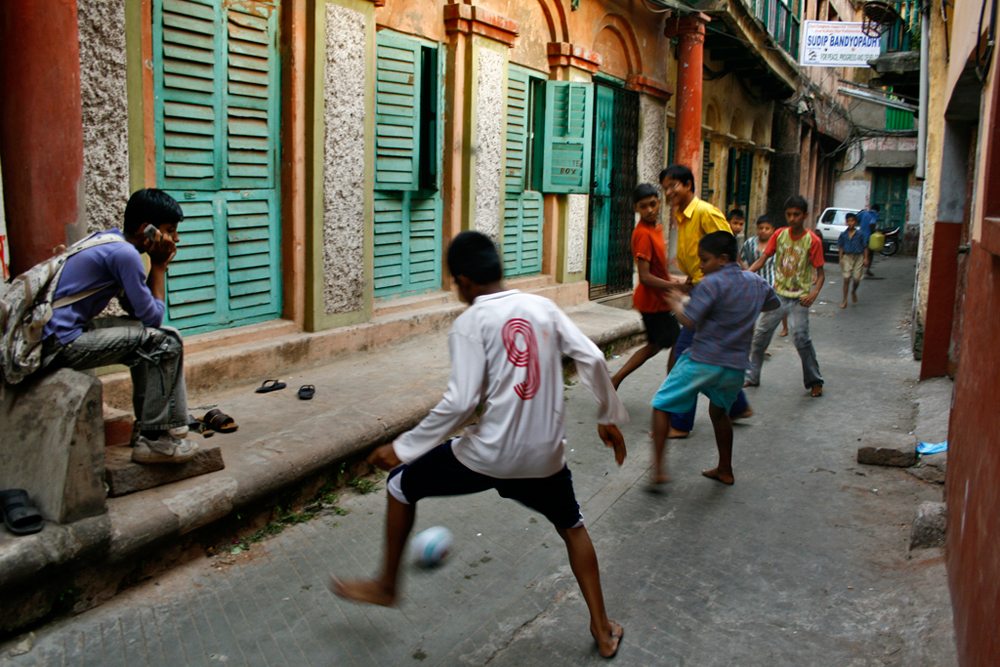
point(798, 325)
point(155, 358)
point(684, 421)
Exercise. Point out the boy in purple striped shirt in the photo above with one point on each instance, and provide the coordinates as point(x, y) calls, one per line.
point(723, 308)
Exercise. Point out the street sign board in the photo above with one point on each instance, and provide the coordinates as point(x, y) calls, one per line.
point(837, 44)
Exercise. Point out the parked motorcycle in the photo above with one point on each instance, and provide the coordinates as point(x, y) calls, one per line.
point(891, 242)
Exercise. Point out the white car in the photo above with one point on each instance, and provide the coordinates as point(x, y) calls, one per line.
point(830, 225)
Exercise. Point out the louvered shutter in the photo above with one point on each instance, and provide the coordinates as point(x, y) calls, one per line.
point(672, 148)
point(397, 113)
point(407, 243)
point(522, 236)
point(194, 273)
point(569, 110)
point(189, 99)
point(517, 130)
point(251, 99)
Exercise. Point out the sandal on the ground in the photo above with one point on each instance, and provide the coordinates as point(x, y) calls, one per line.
point(19, 514)
point(306, 392)
point(270, 385)
point(219, 421)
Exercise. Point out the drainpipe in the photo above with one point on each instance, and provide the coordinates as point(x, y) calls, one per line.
point(925, 47)
point(690, 31)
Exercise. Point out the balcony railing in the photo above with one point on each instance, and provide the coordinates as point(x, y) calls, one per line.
point(781, 23)
point(904, 34)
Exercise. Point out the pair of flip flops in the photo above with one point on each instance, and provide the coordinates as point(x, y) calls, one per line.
point(306, 391)
point(19, 514)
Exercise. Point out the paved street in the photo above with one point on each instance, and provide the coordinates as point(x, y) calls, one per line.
point(803, 562)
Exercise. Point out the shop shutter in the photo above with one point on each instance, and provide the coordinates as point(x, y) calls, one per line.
point(569, 110)
point(397, 113)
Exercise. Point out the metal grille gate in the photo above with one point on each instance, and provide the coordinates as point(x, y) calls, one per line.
point(623, 180)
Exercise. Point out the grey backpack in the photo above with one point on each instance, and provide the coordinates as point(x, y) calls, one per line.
point(27, 306)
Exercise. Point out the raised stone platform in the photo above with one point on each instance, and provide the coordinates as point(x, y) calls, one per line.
point(124, 477)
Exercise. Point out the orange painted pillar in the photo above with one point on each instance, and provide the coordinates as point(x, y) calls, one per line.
point(690, 32)
point(41, 126)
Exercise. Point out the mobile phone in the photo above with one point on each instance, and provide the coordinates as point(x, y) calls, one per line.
point(150, 232)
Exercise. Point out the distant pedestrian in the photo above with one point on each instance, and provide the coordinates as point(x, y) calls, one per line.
point(649, 249)
point(853, 257)
point(799, 277)
point(723, 308)
point(868, 223)
point(506, 352)
point(754, 248)
point(695, 218)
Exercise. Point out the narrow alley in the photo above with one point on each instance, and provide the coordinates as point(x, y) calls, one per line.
point(804, 561)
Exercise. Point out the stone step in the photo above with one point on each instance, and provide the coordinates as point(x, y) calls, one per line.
point(117, 426)
point(124, 477)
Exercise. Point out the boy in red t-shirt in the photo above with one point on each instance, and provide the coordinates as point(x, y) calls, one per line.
point(650, 251)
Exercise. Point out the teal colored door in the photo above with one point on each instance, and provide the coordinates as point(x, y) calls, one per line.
point(600, 194)
point(890, 194)
point(216, 86)
point(523, 219)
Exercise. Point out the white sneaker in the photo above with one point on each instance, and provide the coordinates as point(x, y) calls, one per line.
point(165, 449)
point(179, 432)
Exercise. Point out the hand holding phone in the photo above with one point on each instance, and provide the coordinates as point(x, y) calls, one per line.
point(151, 233)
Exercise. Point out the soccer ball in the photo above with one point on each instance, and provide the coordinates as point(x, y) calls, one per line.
point(431, 546)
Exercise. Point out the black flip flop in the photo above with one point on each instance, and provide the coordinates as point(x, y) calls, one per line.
point(19, 514)
point(306, 392)
point(270, 385)
point(219, 421)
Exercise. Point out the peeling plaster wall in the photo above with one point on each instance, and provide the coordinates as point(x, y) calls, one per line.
point(344, 163)
point(105, 112)
point(489, 141)
point(652, 142)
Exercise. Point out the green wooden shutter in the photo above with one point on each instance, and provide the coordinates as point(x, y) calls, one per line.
point(522, 230)
point(407, 243)
point(216, 85)
point(251, 98)
point(397, 114)
point(569, 111)
point(189, 97)
point(706, 170)
point(672, 148)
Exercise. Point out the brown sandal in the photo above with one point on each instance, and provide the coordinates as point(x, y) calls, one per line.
point(219, 421)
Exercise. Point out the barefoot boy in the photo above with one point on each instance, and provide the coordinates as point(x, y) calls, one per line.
point(723, 308)
point(853, 256)
point(695, 218)
point(798, 255)
point(506, 351)
point(649, 248)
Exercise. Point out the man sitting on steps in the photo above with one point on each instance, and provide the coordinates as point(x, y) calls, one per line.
point(73, 338)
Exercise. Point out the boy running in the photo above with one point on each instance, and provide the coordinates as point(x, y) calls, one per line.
point(506, 351)
point(798, 254)
point(695, 219)
point(649, 248)
point(853, 245)
point(723, 308)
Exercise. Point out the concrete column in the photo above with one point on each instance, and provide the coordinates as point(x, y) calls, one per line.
point(690, 32)
point(41, 136)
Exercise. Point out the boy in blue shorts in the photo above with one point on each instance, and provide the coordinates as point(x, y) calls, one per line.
point(506, 354)
point(723, 309)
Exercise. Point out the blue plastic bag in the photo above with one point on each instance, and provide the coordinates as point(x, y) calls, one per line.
point(932, 448)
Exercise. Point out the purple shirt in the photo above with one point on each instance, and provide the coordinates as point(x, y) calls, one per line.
point(724, 306)
point(117, 265)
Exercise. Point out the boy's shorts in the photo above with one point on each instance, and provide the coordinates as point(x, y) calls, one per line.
point(853, 266)
point(688, 378)
point(662, 328)
point(439, 473)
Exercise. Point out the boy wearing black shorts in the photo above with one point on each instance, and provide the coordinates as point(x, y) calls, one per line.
point(506, 352)
point(649, 248)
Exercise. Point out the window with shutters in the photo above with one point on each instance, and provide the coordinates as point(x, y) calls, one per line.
point(523, 213)
point(408, 97)
point(216, 87)
point(672, 146)
point(740, 178)
point(707, 193)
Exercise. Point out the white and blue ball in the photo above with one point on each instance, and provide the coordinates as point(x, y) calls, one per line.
point(431, 546)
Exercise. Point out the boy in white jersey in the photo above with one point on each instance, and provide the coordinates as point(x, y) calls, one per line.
point(506, 353)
